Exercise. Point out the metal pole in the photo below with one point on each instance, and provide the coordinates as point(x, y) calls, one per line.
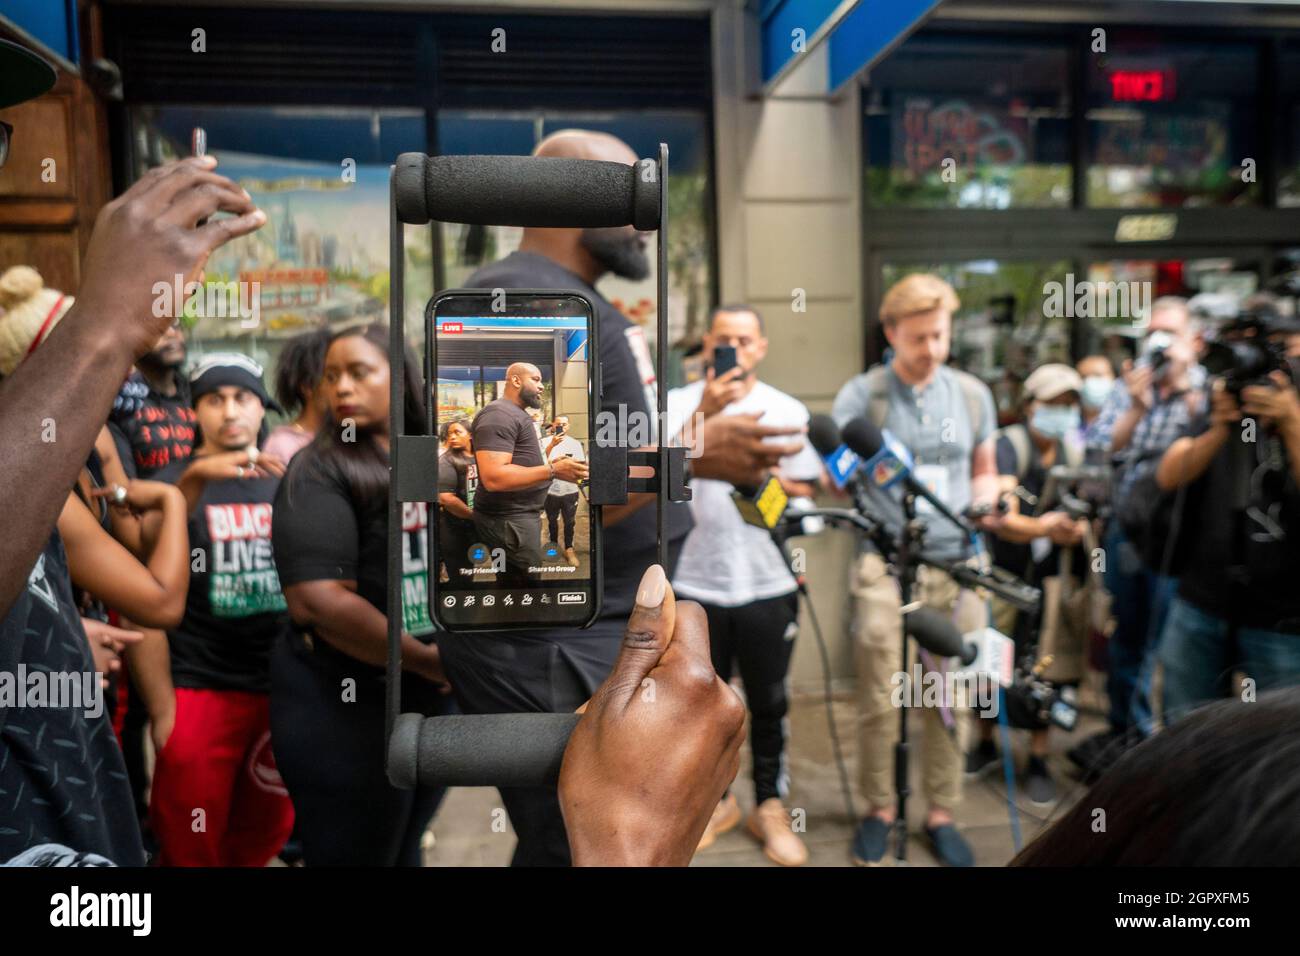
point(396, 426)
point(661, 365)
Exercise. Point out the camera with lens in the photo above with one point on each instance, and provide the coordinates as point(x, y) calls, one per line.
point(1246, 350)
point(1155, 352)
point(1081, 491)
point(1034, 703)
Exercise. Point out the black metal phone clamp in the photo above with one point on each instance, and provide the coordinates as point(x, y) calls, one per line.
point(529, 191)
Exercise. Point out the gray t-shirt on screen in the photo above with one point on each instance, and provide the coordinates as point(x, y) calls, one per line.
point(934, 424)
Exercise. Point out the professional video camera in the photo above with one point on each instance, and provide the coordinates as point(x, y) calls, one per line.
point(1081, 491)
point(1247, 349)
point(1034, 702)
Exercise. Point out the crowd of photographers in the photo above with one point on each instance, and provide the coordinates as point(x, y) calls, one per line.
point(240, 572)
point(1155, 505)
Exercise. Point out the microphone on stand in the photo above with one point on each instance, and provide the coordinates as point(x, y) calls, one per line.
point(886, 462)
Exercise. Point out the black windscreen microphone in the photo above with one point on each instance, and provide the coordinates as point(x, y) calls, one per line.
point(842, 462)
point(823, 434)
point(542, 191)
point(936, 632)
point(863, 437)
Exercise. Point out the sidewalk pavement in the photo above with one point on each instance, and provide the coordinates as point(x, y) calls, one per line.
point(471, 828)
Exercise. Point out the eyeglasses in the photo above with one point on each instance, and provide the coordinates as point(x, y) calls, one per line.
point(6, 134)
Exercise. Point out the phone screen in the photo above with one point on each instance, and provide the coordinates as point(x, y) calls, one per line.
point(517, 542)
point(724, 360)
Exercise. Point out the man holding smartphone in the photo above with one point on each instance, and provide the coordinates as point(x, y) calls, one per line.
point(739, 575)
point(562, 498)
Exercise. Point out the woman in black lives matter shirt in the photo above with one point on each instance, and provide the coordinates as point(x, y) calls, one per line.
point(457, 483)
point(327, 687)
point(210, 708)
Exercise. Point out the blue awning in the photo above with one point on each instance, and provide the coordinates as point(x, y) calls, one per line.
point(858, 33)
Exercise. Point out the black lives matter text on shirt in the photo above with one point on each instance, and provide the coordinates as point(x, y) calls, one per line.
point(458, 475)
point(320, 533)
point(503, 426)
point(627, 389)
point(234, 610)
point(151, 430)
point(62, 779)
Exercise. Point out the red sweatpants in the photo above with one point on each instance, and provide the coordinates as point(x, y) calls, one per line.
point(217, 798)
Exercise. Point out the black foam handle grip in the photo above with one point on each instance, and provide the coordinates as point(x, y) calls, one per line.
point(478, 750)
point(543, 191)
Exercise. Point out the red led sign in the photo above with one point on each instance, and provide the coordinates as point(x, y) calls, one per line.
point(1141, 86)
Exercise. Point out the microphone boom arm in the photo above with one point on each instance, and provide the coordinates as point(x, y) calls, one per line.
point(999, 581)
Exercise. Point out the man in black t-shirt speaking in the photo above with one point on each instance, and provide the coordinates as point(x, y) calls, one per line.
point(514, 477)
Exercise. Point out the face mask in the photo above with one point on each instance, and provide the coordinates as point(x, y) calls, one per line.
point(1055, 421)
point(1095, 390)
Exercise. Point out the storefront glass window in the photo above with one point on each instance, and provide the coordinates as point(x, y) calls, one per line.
point(969, 123)
point(321, 260)
point(1172, 124)
point(465, 248)
point(1228, 280)
point(1006, 326)
point(1288, 186)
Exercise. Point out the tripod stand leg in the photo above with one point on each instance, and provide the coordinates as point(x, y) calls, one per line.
point(900, 786)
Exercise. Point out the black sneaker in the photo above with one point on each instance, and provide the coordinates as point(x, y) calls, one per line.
point(1039, 786)
point(981, 758)
point(869, 841)
point(949, 847)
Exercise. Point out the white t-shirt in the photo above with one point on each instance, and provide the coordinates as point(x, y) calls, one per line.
point(568, 445)
point(726, 561)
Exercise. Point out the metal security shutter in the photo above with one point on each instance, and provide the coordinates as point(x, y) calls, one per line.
point(496, 352)
point(596, 62)
point(286, 57)
point(272, 56)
